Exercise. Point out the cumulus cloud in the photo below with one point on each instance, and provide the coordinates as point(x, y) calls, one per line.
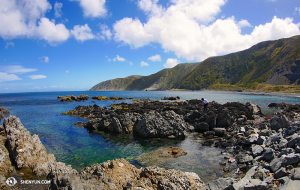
point(8, 77)
point(44, 59)
point(34, 77)
point(171, 63)
point(93, 8)
point(155, 58)
point(82, 33)
point(105, 32)
point(9, 44)
point(189, 28)
point(20, 18)
point(118, 58)
point(144, 64)
point(57, 9)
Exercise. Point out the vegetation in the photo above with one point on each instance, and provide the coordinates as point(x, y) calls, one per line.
point(267, 66)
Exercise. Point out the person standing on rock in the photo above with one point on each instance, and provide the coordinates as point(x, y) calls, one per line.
point(205, 103)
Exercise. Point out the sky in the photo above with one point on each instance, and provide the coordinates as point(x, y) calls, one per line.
point(72, 45)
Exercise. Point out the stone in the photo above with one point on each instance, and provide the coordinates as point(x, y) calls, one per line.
point(256, 184)
point(26, 150)
point(291, 130)
point(294, 141)
point(290, 185)
point(221, 183)
point(280, 173)
point(279, 122)
point(261, 140)
point(283, 143)
point(201, 127)
point(209, 133)
point(220, 132)
point(286, 151)
point(244, 158)
point(257, 150)
point(223, 119)
point(295, 174)
point(269, 154)
point(251, 139)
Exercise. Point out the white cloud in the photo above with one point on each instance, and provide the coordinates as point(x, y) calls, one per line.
point(8, 77)
point(189, 29)
point(296, 10)
point(243, 23)
point(144, 64)
point(171, 63)
point(67, 71)
point(105, 32)
point(9, 44)
point(34, 77)
point(20, 18)
point(57, 9)
point(93, 8)
point(82, 33)
point(118, 58)
point(130, 63)
point(16, 69)
point(124, 30)
point(44, 59)
point(155, 58)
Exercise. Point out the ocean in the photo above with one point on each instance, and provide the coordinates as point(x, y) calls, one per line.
point(40, 114)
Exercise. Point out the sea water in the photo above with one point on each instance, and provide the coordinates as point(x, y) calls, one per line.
point(40, 114)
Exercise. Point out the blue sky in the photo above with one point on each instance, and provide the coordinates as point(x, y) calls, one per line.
point(71, 45)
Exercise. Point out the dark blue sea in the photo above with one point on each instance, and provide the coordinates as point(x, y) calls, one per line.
point(40, 114)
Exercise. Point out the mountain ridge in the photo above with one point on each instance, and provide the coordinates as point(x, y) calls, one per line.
point(274, 62)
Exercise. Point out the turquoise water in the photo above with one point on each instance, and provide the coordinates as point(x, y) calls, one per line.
point(40, 114)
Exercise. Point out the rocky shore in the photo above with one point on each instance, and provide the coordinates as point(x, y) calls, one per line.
point(266, 149)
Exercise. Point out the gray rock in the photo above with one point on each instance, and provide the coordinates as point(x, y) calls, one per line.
point(290, 185)
point(291, 159)
point(244, 158)
point(283, 143)
point(251, 139)
point(280, 173)
point(265, 132)
point(220, 132)
point(286, 151)
point(257, 150)
point(261, 174)
point(291, 130)
point(255, 109)
point(283, 180)
point(209, 133)
point(261, 140)
point(26, 150)
point(153, 124)
point(202, 127)
point(245, 180)
point(269, 154)
point(294, 141)
point(278, 122)
point(295, 174)
point(275, 164)
point(221, 183)
point(255, 184)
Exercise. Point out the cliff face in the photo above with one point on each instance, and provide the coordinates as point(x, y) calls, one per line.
point(272, 62)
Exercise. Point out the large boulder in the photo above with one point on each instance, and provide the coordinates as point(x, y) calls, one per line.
point(223, 119)
point(279, 122)
point(153, 124)
point(26, 150)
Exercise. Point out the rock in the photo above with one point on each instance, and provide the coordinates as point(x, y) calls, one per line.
point(295, 174)
point(290, 185)
point(273, 138)
point(280, 173)
point(244, 158)
point(294, 141)
point(261, 140)
point(209, 134)
point(286, 151)
point(269, 154)
point(171, 98)
point(283, 143)
point(220, 132)
point(251, 139)
point(257, 150)
point(256, 184)
point(201, 127)
point(223, 119)
point(284, 160)
point(245, 180)
point(221, 183)
point(261, 174)
point(291, 130)
point(26, 150)
point(153, 124)
point(5, 163)
point(279, 122)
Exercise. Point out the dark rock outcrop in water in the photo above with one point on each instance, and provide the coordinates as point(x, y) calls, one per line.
point(27, 151)
point(164, 119)
point(73, 98)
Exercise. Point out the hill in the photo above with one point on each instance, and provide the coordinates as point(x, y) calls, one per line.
point(272, 62)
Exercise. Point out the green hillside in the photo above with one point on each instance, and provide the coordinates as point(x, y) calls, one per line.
point(252, 66)
point(267, 63)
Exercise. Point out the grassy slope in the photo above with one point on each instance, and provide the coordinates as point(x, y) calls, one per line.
point(245, 68)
